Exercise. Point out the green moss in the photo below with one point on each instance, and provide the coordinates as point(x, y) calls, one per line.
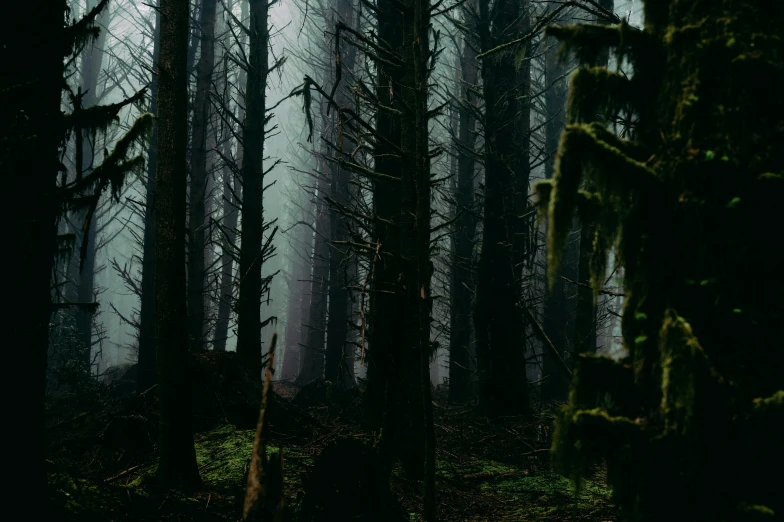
point(772, 404)
point(78, 497)
point(222, 455)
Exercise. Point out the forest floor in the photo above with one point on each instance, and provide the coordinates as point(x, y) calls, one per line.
point(486, 471)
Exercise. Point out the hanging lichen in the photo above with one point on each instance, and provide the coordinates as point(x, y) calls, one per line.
point(686, 200)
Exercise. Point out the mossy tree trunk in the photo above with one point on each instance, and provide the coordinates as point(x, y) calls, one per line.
point(176, 453)
point(703, 329)
point(585, 321)
point(557, 307)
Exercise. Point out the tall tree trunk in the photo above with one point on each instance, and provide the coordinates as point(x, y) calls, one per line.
point(386, 378)
point(198, 188)
point(91, 68)
point(696, 181)
point(296, 316)
point(498, 317)
point(415, 245)
point(29, 137)
point(252, 235)
point(230, 213)
point(146, 375)
point(339, 353)
point(312, 354)
point(228, 245)
point(585, 318)
point(556, 320)
point(461, 276)
point(177, 456)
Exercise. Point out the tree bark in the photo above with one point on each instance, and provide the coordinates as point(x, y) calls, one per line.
point(296, 316)
point(386, 378)
point(461, 276)
point(498, 318)
point(312, 354)
point(339, 353)
point(176, 453)
point(146, 375)
point(415, 246)
point(557, 312)
point(29, 137)
point(230, 217)
point(252, 233)
point(198, 186)
point(585, 318)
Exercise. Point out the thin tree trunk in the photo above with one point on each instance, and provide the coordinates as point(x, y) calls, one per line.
point(312, 354)
point(91, 68)
point(296, 316)
point(385, 377)
point(231, 217)
point(146, 375)
point(228, 246)
point(198, 187)
point(461, 276)
point(177, 456)
point(338, 355)
point(556, 305)
point(249, 302)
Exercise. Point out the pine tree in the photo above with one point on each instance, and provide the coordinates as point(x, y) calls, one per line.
point(34, 132)
point(685, 199)
point(198, 183)
point(176, 452)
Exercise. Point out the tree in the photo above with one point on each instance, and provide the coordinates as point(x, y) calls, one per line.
point(176, 452)
point(683, 197)
point(252, 253)
point(585, 320)
point(339, 362)
point(146, 375)
point(558, 308)
point(461, 276)
point(85, 274)
point(500, 337)
point(33, 135)
point(232, 185)
point(312, 357)
point(198, 187)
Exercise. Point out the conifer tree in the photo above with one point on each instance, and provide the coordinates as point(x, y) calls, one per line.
point(689, 423)
point(34, 132)
point(176, 452)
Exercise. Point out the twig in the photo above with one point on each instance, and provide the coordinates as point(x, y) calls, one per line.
point(122, 473)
